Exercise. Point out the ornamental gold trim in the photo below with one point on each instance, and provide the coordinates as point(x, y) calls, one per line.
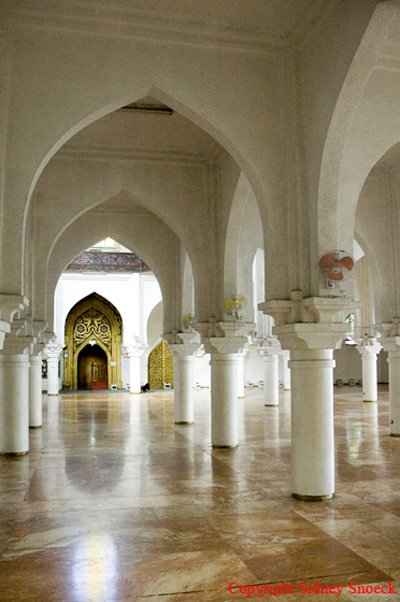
point(161, 366)
point(93, 320)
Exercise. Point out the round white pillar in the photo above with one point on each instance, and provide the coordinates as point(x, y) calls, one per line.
point(134, 352)
point(369, 377)
point(313, 457)
point(187, 343)
point(35, 391)
point(240, 373)
point(183, 388)
point(369, 349)
point(391, 344)
point(394, 392)
point(14, 404)
point(135, 373)
point(284, 357)
point(224, 404)
point(52, 375)
point(271, 380)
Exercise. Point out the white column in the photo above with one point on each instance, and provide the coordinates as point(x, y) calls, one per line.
point(271, 380)
point(392, 346)
point(52, 374)
point(269, 351)
point(224, 372)
point(313, 460)
point(35, 391)
point(135, 373)
point(14, 401)
point(4, 329)
point(183, 388)
point(240, 373)
point(224, 404)
point(134, 352)
point(369, 348)
point(284, 357)
point(306, 327)
point(187, 343)
point(52, 353)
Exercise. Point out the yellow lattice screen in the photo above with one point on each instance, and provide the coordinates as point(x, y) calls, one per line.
point(161, 366)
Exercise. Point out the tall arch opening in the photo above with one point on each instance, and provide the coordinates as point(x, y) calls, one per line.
point(92, 367)
point(93, 337)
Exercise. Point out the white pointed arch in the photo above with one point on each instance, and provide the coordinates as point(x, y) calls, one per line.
point(156, 251)
point(365, 123)
point(244, 235)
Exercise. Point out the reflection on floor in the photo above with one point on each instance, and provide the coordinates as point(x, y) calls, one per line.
point(114, 502)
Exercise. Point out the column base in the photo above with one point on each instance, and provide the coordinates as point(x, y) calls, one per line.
point(313, 498)
point(224, 446)
point(184, 422)
point(14, 454)
point(39, 426)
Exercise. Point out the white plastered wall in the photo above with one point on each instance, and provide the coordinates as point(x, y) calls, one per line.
point(334, 64)
point(251, 100)
point(244, 235)
point(213, 89)
point(76, 186)
point(376, 222)
point(142, 232)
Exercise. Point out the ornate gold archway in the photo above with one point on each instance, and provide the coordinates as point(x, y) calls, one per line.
point(93, 320)
point(161, 366)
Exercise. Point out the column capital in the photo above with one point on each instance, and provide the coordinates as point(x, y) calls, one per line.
point(175, 337)
point(12, 306)
point(225, 337)
point(269, 346)
point(52, 349)
point(311, 335)
point(368, 346)
point(184, 349)
point(37, 349)
point(225, 345)
point(389, 329)
point(133, 349)
point(308, 310)
point(18, 345)
point(5, 328)
point(390, 343)
point(38, 329)
point(183, 344)
point(226, 328)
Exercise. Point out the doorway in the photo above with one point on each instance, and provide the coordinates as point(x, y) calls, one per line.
point(93, 327)
point(92, 368)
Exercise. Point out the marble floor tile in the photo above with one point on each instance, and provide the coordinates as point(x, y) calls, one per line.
point(115, 503)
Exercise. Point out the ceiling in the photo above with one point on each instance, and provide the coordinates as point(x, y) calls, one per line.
point(254, 22)
point(128, 133)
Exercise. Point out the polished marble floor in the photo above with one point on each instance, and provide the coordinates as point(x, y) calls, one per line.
point(116, 503)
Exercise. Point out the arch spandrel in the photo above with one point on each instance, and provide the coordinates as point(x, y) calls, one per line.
point(93, 319)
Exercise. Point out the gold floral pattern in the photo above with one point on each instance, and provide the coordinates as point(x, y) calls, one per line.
point(92, 323)
point(161, 366)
